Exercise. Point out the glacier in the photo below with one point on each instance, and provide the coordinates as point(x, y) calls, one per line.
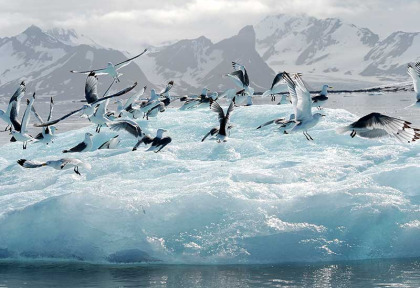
point(261, 197)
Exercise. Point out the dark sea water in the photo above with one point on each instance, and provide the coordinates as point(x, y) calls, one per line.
point(368, 273)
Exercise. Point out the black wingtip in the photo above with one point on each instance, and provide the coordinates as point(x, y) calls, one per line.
point(21, 161)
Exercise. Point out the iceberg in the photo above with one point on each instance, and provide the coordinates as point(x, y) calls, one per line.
point(261, 197)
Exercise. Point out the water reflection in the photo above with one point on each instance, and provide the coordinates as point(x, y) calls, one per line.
point(373, 273)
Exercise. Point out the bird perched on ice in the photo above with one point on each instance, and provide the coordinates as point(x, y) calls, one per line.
point(111, 69)
point(377, 125)
point(111, 143)
point(84, 146)
point(61, 164)
point(322, 98)
point(414, 71)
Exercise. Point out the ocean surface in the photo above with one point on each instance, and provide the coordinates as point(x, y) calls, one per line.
point(367, 273)
point(203, 214)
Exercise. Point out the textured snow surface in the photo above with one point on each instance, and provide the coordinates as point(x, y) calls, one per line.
point(261, 197)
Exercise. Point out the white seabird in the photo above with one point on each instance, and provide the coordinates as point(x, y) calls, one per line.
point(61, 164)
point(84, 146)
point(223, 132)
point(304, 120)
point(111, 69)
point(414, 71)
point(129, 126)
point(322, 98)
point(215, 131)
point(12, 112)
point(22, 135)
point(377, 125)
point(111, 143)
point(48, 133)
point(241, 79)
point(159, 142)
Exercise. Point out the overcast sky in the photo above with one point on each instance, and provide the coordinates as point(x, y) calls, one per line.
point(126, 24)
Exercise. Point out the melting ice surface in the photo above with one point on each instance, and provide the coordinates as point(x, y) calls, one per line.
point(261, 197)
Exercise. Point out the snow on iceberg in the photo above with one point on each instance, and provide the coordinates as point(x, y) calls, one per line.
point(261, 197)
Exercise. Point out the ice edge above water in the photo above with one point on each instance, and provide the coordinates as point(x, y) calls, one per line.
point(261, 197)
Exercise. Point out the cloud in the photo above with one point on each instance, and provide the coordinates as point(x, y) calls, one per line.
point(128, 24)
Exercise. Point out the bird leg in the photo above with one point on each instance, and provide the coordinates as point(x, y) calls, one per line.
point(352, 134)
point(305, 136)
point(76, 170)
point(24, 146)
point(309, 136)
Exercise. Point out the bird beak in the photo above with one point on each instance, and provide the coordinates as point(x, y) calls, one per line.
point(44, 164)
point(323, 115)
point(330, 87)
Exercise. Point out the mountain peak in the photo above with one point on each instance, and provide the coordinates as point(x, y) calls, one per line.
point(33, 30)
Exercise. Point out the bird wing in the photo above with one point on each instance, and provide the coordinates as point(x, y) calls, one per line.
point(168, 87)
point(51, 109)
point(291, 86)
point(229, 94)
point(29, 163)
point(78, 148)
point(14, 116)
point(36, 114)
point(91, 88)
point(134, 98)
point(304, 103)
point(238, 78)
point(216, 108)
point(126, 62)
point(277, 80)
point(414, 72)
point(128, 125)
point(19, 93)
point(48, 123)
point(395, 127)
point(229, 110)
point(101, 71)
point(239, 67)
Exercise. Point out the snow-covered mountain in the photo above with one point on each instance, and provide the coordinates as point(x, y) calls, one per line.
point(44, 60)
point(325, 50)
point(334, 50)
point(198, 63)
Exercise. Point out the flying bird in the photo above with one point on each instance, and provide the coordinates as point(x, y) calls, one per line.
point(304, 120)
point(377, 125)
point(10, 116)
point(414, 71)
point(61, 164)
point(222, 134)
point(22, 135)
point(111, 69)
point(130, 127)
point(159, 142)
point(48, 132)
